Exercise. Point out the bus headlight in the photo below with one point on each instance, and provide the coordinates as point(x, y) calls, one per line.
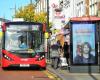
point(6, 57)
point(40, 57)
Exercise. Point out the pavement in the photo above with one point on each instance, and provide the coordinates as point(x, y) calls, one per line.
point(64, 74)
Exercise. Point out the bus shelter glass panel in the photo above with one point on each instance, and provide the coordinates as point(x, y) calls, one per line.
point(83, 43)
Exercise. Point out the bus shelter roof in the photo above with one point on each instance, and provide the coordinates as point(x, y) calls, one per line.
point(85, 18)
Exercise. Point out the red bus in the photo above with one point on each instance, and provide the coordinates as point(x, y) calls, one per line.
point(23, 45)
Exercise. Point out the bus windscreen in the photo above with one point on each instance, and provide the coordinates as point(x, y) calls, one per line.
point(23, 38)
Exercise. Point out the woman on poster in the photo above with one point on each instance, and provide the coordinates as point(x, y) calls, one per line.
point(86, 56)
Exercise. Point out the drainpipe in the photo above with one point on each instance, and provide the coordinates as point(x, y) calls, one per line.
point(87, 7)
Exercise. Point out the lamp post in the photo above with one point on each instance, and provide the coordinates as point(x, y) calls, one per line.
point(30, 1)
point(15, 9)
point(47, 15)
point(47, 29)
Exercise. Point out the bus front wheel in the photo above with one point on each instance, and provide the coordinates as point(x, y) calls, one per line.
point(43, 68)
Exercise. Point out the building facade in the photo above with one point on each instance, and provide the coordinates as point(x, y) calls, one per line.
point(60, 12)
point(80, 8)
point(93, 7)
point(41, 6)
point(98, 7)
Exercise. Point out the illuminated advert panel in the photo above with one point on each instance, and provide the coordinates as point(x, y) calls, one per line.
point(83, 43)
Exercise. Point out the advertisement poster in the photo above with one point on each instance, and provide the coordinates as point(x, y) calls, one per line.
point(83, 36)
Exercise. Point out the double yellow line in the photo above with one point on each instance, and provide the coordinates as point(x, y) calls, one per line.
point(52, 75)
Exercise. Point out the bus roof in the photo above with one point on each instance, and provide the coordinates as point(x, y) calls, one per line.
point(85, 18)
point(23, 23)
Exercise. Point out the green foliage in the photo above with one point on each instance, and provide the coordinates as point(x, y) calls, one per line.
point(26, 12)
point(50, 24)
point(40, 17)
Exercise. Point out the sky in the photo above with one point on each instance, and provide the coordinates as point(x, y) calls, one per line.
point(7, 7)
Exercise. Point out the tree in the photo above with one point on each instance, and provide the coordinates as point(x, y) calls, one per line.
point(26, 12)
point(50, 24)
point(40, 17)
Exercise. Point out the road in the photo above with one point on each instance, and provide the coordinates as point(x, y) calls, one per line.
point(25, 74)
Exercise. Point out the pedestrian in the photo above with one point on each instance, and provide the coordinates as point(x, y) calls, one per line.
point(66, 51)
point(55, 55)
point(60, 47)
point(61, 51)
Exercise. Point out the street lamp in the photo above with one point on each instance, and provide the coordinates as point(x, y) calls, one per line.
point(47, 29)
point(15, 9)
point(30, 1)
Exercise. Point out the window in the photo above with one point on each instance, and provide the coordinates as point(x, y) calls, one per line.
point(80, 9)
point(93, 7)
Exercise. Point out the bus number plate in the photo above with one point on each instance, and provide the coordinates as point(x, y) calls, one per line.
point(24, 65)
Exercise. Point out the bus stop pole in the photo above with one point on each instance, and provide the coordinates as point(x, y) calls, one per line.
point(99, 46)
point(98, 43)
point(48, 28)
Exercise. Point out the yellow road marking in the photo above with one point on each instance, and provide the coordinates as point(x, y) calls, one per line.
point(51, 75)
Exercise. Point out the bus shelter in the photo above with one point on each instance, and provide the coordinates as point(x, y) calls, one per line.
point(84, 49)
